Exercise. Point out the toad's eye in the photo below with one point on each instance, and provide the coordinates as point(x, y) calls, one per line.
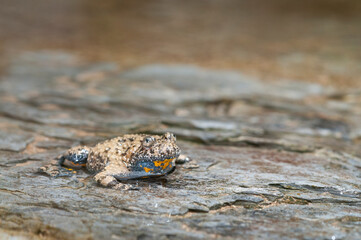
point(170, 136)
point(148, 141)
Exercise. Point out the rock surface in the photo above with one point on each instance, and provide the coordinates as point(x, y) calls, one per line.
point(276, 160)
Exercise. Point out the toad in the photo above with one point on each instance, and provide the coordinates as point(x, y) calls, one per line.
point(131, 156)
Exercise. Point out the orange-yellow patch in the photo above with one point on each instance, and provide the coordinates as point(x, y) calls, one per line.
point(70, 169)
point(78, 165)
point(163, 164)
point(148, 169)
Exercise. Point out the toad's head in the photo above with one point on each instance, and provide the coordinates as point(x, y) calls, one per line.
point(156, 154)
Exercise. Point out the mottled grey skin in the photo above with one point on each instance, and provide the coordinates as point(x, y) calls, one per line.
point(128, 157)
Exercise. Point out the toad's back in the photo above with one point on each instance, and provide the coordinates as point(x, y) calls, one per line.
point(117, 151)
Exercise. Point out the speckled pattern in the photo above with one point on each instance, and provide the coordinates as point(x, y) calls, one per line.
point(128, 157)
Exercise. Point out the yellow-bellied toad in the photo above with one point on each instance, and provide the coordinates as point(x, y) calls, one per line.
point(128, 157)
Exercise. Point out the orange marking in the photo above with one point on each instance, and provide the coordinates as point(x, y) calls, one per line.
point(148, 169)
point(76, 164)
point(163, 164)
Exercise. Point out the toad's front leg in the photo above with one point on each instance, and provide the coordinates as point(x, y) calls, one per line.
point(63, 166)
point(186, 162)
point(54, 169)
point(106, 178)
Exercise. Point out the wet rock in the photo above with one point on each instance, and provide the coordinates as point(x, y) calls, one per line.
point(192, 83)
point(14, 141)
point(265, 154)
point(272, 143)
point(53, 144)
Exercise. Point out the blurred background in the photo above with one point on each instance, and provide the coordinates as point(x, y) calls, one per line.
point(314, 41)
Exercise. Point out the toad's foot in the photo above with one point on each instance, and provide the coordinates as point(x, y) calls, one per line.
point(55, 170)
point(182, 159)
point(106, 179)
point(186, 162)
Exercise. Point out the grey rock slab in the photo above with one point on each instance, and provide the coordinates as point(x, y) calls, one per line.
point(197, 135)
point(213, 125)
point(192, 83)
point(51, 144)
point(24, 78)
point(272, 143)
point(276, 159)
point(14, 141)
point(224, 199)
point(257, 191)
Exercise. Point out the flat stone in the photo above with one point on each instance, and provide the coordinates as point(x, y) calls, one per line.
point(14, 141)
point(265, 154)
